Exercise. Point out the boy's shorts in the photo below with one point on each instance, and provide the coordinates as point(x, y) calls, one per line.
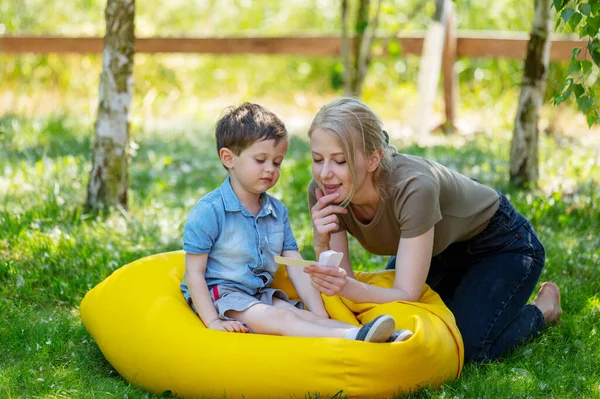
point(227, 298)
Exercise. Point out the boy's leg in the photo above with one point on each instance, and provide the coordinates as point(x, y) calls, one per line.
point(309, 316)
point(266, 319)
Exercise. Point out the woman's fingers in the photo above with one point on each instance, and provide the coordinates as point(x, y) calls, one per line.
point(330, 210)
point(326, 279)
point(319, 193)
point(324, 200)
point(326, 225)
point(325, 287)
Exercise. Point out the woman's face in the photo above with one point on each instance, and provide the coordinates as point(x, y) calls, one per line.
point(330, 168)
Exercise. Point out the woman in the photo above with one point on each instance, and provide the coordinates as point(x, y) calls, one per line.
point(463, 239)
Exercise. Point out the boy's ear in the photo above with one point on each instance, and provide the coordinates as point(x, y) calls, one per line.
point(226, 156)
point(374, 160)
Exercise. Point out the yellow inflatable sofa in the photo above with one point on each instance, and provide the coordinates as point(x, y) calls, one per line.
point(149, 334)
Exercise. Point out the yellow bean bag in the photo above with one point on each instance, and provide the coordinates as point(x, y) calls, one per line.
point(148, 333)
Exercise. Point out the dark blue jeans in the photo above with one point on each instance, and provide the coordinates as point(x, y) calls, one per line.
point(487, 281)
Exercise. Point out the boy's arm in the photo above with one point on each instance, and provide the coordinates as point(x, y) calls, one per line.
point(302, 282)
point(195, 267)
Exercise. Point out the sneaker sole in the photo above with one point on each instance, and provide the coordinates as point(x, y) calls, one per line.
point(381, 330)
point(406, 334)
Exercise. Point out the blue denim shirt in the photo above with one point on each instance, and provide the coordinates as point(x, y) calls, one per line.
point(240, 246)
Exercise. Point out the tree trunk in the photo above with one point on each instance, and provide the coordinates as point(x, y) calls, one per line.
point(365, 44)
point(430, 66)
point(524, 147)
point(107, 186)
point(348, 74)
point(356, 62)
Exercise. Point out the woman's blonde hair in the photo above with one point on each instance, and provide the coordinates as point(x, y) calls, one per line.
point(356, 128)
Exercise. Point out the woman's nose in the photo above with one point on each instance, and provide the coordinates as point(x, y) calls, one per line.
point(325, 171)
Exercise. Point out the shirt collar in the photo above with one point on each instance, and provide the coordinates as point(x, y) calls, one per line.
point(233, 204)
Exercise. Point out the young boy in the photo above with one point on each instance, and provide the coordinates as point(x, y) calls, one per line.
point(233, 233)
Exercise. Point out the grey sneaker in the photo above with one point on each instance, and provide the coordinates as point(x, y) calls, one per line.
point(400, 335)
point(379, 330)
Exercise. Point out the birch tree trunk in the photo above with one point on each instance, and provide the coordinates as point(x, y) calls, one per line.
point(524, 161)
point(107, 186)
point(356, 63)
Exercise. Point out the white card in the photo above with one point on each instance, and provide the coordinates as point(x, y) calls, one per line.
point(330, 258)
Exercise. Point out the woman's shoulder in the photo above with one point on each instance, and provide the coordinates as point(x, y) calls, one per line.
point(413, 171)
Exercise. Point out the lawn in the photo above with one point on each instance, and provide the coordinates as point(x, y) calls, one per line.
point(52, 253)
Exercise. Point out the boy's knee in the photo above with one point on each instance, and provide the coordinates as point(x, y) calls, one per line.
point(271, 320)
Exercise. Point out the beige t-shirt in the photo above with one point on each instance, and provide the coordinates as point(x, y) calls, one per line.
point(422, 194)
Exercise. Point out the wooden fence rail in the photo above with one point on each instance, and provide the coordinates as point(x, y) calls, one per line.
point(457, 44)
point(468, 44)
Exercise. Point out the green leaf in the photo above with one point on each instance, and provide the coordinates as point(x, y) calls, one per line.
point(561, 98)
point(559, 4)
point(574, 66)
point(592, 117)
point(586, 66)
point(594, 50)
point(575, 52)
point(593, 24)
point(575, 20)
point(567, 13)
point(585, 9)
point(578, 90)
point(585, 103)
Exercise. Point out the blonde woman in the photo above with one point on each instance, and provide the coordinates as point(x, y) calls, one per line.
point(462, 238)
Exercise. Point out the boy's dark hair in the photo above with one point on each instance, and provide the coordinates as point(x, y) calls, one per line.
point(242, 126)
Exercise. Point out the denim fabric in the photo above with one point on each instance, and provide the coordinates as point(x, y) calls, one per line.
point(487, 281)
point(240, 246)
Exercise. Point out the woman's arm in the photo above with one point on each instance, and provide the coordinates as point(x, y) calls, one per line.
point(301, 281)
point(412, 265)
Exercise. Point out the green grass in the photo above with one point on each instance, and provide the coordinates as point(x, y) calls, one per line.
point(51, 253)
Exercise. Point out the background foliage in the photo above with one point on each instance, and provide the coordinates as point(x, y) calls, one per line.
point(583, 18)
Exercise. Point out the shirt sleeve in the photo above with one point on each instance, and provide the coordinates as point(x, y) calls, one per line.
point(418, 206)
point(201, 229)
point(289, 242)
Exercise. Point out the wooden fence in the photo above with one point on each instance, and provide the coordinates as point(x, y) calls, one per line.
point(467, 44)
point(457, 44)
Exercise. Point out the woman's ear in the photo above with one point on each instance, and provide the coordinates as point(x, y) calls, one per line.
point(226, 157)
point(374, 160)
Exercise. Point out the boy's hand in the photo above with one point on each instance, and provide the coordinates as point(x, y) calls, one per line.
point(228, 326)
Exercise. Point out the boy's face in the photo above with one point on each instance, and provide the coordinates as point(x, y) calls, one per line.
point(256, 169)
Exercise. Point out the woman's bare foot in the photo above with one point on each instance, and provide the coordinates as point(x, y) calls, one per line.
point(548, 301)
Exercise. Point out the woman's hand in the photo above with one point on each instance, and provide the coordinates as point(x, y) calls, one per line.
point(228, 326)
point(324, 219)
point(327, 279)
